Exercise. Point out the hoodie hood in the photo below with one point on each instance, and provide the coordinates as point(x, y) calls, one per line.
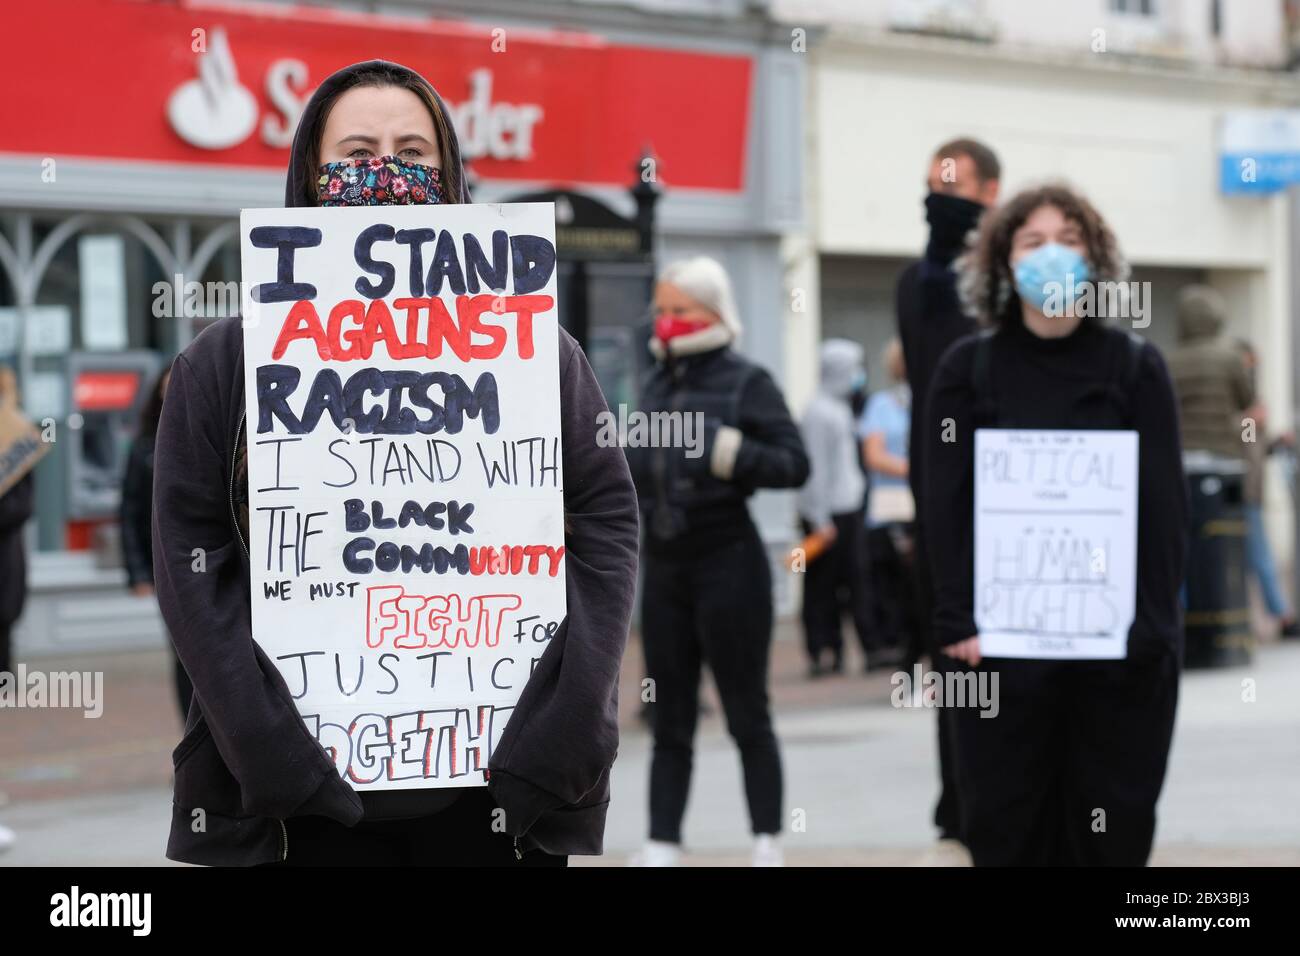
point(1202, 312)
point(299, 190)
point(841, 364)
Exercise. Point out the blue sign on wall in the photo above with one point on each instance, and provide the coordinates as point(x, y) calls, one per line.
point(1259, 151)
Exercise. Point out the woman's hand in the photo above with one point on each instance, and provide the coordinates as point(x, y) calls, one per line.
point(967, 650)
point(142, 589)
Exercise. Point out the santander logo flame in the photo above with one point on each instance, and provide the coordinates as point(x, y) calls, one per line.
point(214, 111)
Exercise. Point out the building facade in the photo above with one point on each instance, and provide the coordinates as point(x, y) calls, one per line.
point(1124, 99)
point(122, 177)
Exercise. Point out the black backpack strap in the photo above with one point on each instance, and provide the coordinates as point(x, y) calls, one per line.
point(986, 403)
point(1129, 365)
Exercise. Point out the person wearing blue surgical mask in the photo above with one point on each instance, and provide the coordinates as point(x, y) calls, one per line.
point(1070, 735)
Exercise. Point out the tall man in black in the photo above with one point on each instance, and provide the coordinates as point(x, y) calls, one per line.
point(963, 180)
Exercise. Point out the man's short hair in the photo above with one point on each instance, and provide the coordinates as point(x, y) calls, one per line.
point(986, 162)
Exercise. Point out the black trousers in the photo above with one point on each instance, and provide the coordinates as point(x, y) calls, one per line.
point(1069, 771)
point(6, 648)
point(714, 607)
point(461, 835)
point(893, 605)
point(837, 581)
point(948, 810)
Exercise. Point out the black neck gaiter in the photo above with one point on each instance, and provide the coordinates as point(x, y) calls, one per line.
point(950, 218)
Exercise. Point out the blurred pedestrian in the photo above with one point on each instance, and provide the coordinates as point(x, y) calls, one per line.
point(136, 520)
point(271, 792)
point(884, 428)
point(1259, 555)
point(707, 590)
point(1071, 737)
point(1213, 385)
point(830, 510)
point(17, 505)
point(963, 179)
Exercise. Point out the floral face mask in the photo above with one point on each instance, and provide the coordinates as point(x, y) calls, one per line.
point(378, 181)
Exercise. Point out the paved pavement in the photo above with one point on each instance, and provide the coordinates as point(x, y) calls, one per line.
point(860, 773)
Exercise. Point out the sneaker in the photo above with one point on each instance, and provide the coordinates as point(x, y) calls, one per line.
point(7, 838)
point(1290, 627)
point(767, 851)
point(946, 852)
point(657, 853)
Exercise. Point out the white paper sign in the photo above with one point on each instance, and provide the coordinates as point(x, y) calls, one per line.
point(103, 291)
point(1055, 542)
point(406, 494)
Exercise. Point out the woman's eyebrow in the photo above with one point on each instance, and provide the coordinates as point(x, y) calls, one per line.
point(407, 137)
point(360, 138)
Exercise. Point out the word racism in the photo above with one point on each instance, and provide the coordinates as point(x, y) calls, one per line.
point(526, 261)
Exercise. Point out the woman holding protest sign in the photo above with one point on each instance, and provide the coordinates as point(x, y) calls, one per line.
point(708, 593)
point(1069, 769)
point(248, 768)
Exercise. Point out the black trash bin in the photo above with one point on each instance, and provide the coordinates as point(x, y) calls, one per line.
point(1217, 621)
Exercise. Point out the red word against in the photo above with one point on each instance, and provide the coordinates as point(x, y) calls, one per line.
point(428, 327)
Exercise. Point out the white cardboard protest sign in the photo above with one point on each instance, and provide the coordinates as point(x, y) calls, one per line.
point(406, 504)
point(1055, 542)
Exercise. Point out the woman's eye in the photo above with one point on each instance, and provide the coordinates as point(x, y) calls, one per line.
point(359, 153)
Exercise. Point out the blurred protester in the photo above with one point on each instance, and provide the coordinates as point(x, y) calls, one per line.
point(272, 793)
point(16, 506)
point(1259, 555)
point(707, 591)
point(1214, 386)
point(884, 427)
point(963, 180)
point(137, 522)
point(830, 509)
point(1070, 736)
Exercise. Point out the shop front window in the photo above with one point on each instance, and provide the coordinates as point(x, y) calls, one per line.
point(89, 352)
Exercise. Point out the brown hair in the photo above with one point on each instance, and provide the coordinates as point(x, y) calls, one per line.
point(986, 161)
point(381, 77)
point(987, 287)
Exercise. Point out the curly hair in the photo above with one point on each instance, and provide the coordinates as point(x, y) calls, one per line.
point(985, 283)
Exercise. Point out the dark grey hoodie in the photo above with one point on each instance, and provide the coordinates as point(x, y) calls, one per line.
point(247, 761)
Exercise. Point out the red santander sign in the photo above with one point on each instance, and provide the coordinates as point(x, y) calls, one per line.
point(224, 84)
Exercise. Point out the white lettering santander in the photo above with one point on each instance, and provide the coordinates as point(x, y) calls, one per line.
point(216, 112)
point(281, 79)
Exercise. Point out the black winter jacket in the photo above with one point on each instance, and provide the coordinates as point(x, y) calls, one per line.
point(930, 319)
point(1067, 382)
point(691, 503)
point(137, 512)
